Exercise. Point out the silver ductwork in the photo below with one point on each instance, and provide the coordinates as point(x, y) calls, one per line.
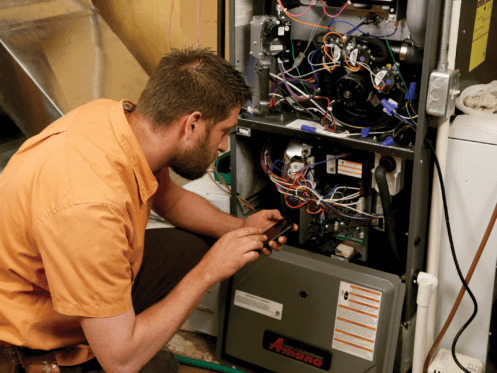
point(417, 13)
point(56, 55)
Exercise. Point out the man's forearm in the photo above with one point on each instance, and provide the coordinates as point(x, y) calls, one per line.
point(134, 346)
point(194, 213)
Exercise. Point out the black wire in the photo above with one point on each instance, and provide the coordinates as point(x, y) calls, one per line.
point(442, 187)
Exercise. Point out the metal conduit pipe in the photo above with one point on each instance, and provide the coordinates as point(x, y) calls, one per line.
point(417, 12)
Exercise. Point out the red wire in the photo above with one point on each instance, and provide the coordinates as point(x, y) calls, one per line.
point(336, 15)
point(301, 14)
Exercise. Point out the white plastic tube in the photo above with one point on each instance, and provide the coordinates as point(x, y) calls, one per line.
point(436, 213)
point(427, 285)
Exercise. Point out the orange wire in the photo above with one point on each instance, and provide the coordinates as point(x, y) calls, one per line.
point(325, 47)
point(313, 213)
point(345, 54)
point(299, 205)
point(296, 20)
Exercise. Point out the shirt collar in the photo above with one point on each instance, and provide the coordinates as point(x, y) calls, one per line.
point(147, 183)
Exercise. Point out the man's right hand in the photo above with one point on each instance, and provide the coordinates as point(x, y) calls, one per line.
point(231, 252)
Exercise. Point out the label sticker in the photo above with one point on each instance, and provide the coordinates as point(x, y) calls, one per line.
point(356, 320)
point(281, 31)
point(379, 77)
point(331, 166)
point(353, 57)
point(348, 168)
point(277, 47)
point(296, 350)
point(296, 167)
point(258, 304)
point(480, 33)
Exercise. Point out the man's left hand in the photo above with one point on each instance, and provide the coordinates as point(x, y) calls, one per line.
point(264, 220)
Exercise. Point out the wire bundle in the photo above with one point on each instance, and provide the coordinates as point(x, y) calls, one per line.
point(299, 190)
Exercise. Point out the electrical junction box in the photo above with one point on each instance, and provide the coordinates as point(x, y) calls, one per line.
point(319, 314)
point(444, 363)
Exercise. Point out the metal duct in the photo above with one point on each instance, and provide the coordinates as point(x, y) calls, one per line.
point(417, 12)
point(56, 55)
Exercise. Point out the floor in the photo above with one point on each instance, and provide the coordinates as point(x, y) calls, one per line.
point(187, 342)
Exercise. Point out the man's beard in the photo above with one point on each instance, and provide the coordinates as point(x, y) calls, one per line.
point(194, 163)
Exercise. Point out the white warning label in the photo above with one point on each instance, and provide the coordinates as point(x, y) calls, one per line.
point(356, 320)
point(353, 57)
point(258, 304)
point(348, 168)
point(378, 80)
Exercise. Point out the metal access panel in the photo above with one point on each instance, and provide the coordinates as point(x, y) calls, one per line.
point(319, 314)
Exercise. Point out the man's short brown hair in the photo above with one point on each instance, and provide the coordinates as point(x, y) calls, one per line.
point(189, 80)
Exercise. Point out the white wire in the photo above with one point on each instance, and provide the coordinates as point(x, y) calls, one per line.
point(308, 44)
point(321, 110)
point(372, 74)
point(314, 30)
point(311, 73)
point(407, 117)
point(287, 191)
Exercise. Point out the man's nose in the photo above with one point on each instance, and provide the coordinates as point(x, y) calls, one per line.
point(223, 146)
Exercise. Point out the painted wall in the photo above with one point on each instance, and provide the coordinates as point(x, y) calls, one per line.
point(142, 25)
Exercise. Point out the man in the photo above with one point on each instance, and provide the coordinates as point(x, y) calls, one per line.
point(75, 201)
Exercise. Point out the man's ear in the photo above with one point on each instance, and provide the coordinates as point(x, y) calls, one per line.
point(191, 124)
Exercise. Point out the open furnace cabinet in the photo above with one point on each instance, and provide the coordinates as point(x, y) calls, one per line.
point(351, 172)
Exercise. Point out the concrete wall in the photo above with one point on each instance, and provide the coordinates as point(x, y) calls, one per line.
point(142, 25)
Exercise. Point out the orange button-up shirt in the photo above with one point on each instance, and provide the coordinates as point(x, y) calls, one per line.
point(74, 204)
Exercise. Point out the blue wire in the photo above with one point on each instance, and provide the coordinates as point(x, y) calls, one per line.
point(330, 193)
point(398, 115)
point(312, 67)
point(356, 28)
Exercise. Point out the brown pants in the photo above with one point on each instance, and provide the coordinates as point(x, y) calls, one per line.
point(170, 253)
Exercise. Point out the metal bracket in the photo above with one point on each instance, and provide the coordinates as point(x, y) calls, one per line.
point(443, 89)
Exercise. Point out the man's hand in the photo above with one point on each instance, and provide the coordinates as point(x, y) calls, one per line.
point(264, 220)
point(231, 252)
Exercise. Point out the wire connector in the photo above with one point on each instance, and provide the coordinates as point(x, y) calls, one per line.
point(308, 128)
point(389, 106)
point(365, 132)
point(412, 95)
point(388, 141)
point(299, 59)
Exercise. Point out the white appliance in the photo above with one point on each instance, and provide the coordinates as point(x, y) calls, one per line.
point(471, 186)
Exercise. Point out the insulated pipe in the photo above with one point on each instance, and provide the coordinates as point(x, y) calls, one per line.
point(417, 12)
point(427, 285)
point(436, 213)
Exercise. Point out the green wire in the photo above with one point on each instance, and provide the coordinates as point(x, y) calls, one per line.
point(298, 72)
point(397, 67)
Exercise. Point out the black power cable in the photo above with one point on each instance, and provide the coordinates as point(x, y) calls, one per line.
point(444, 199)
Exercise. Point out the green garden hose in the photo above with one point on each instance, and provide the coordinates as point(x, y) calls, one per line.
point(206, 365)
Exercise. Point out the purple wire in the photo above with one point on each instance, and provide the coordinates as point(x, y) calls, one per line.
point(286, 85)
